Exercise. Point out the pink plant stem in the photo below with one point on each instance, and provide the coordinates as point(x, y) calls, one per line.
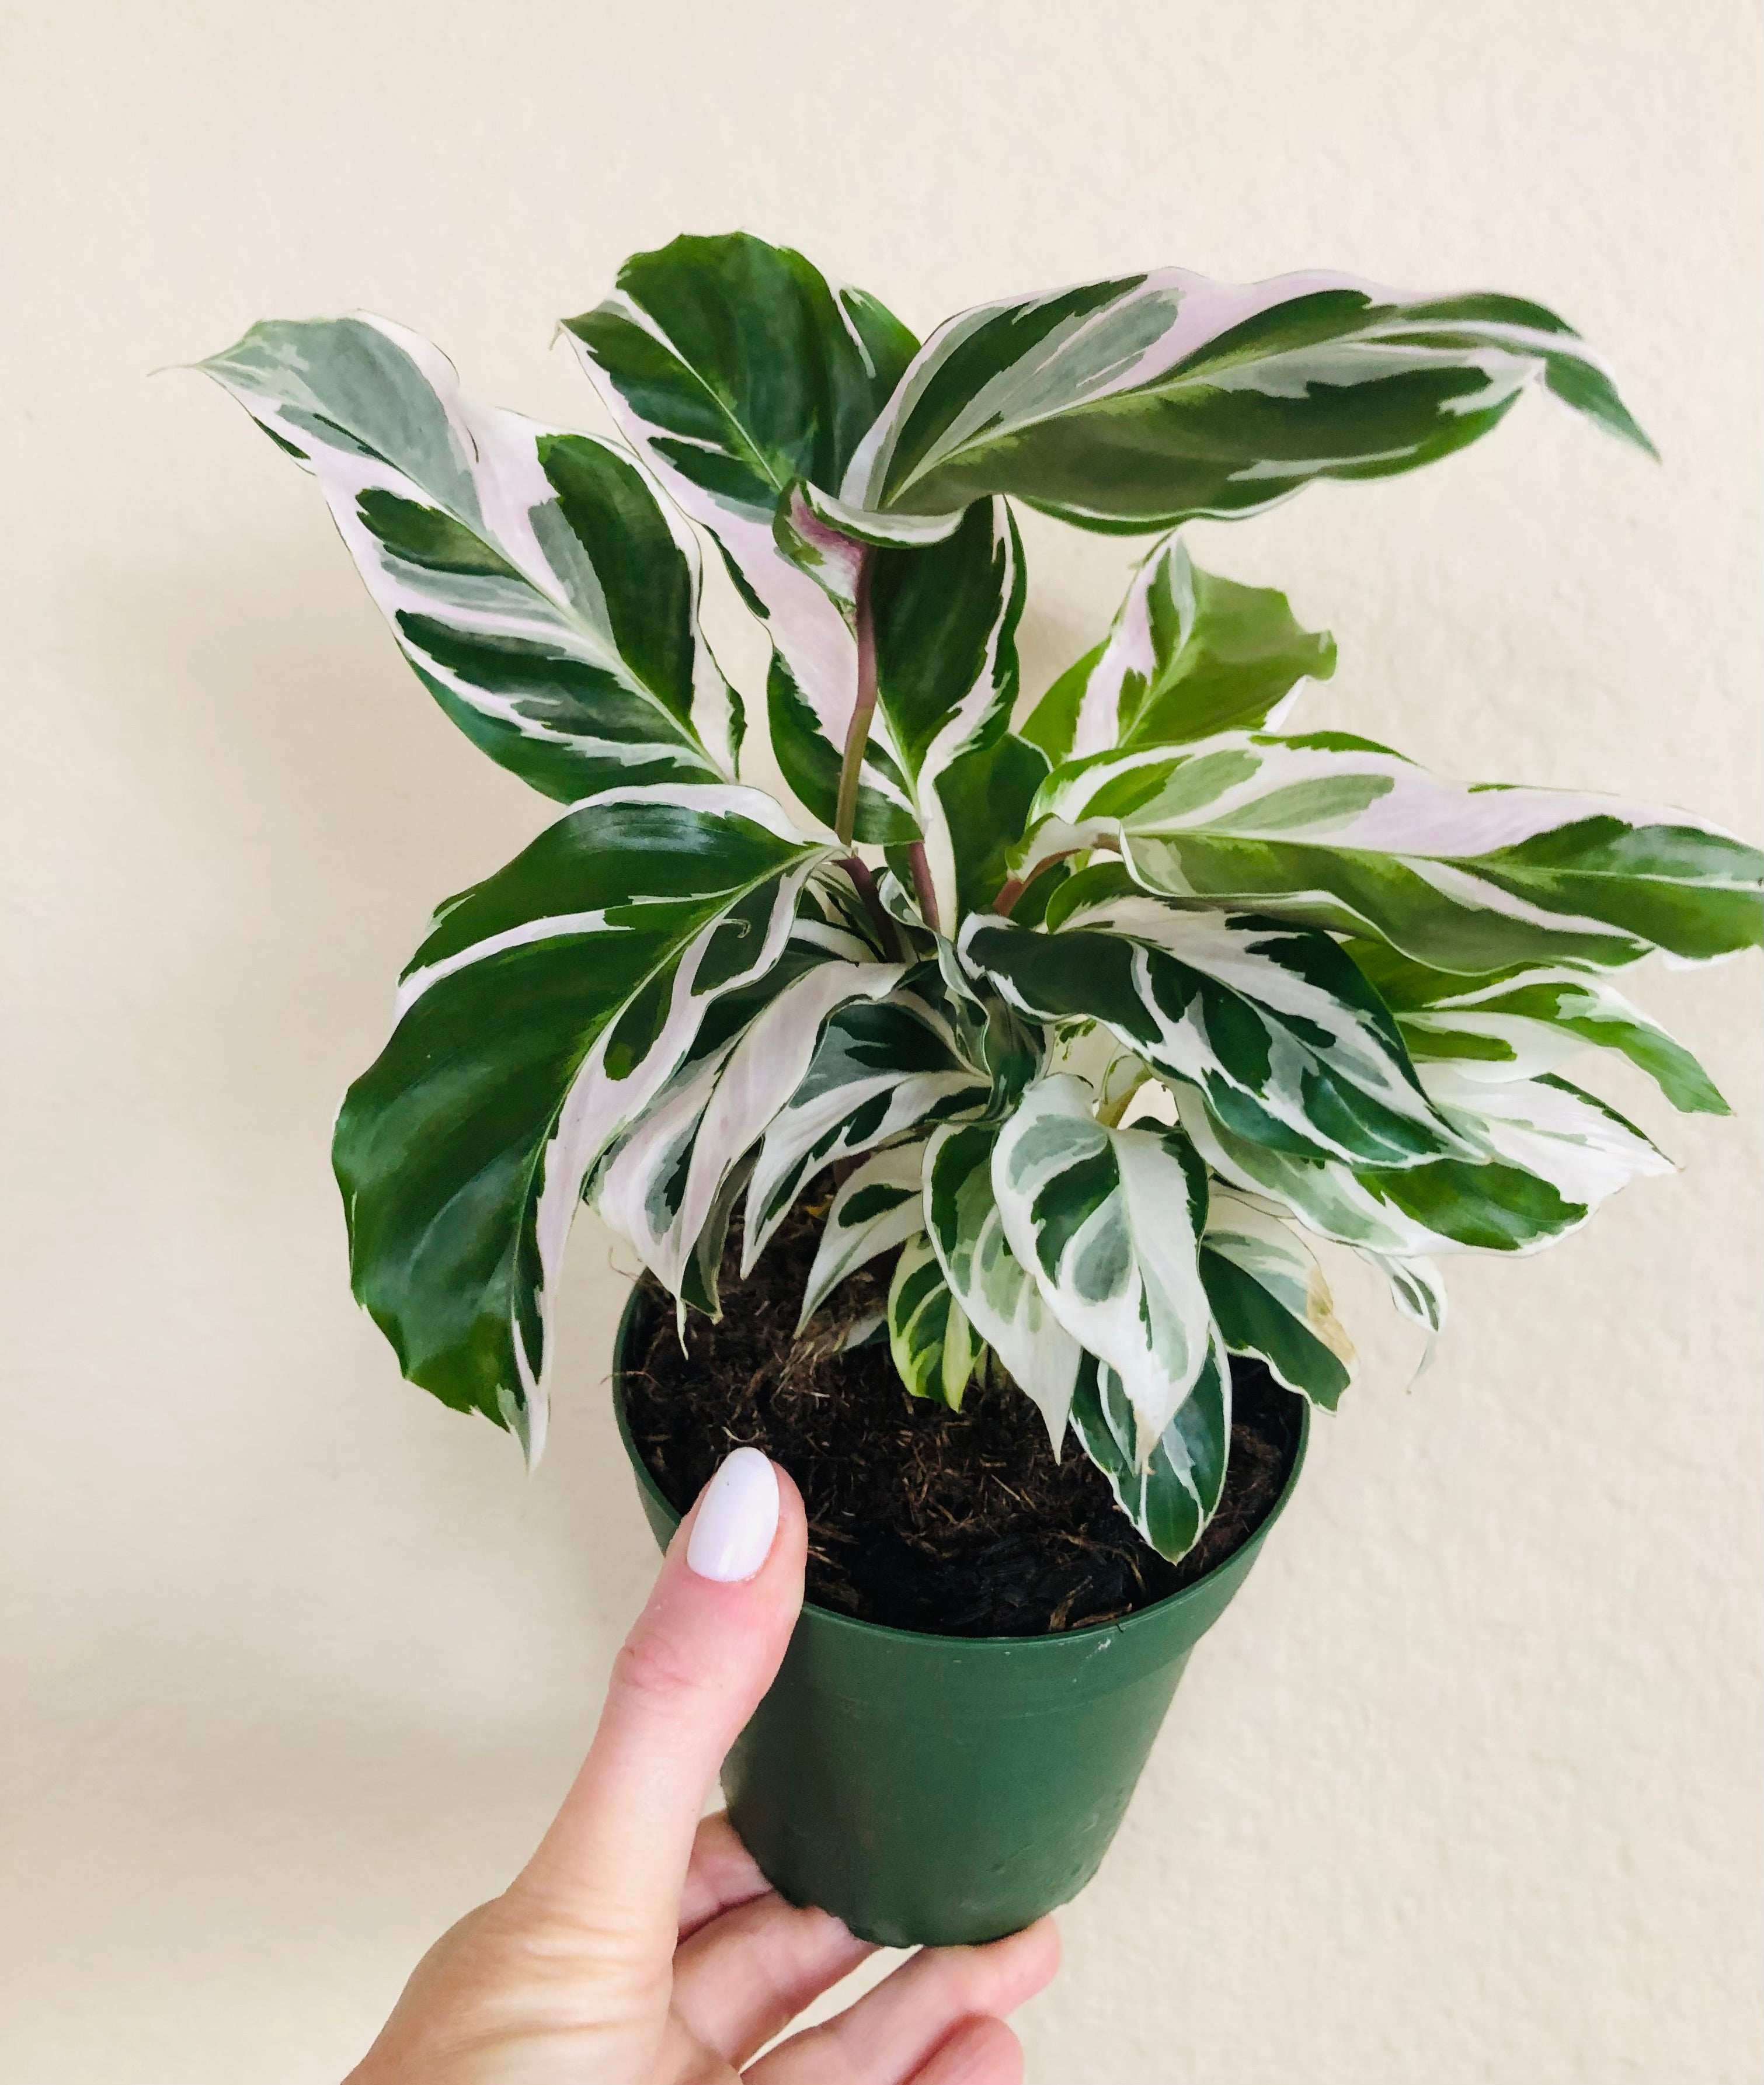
point(1016, 885)
point(922, 886)
point(845, 818)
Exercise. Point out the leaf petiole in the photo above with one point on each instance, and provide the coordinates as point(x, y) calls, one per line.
point(863, 709)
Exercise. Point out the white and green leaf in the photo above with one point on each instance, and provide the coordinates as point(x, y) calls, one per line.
point(929, 1336)
point(1272, 1022)
point(880, 1206)
point(1582, 1147)
point(817, 516)
point(983, 799)
point(1453, 1206)
point(1171, 1494)
point(700, 1281)
point(833, 917)
point(737, 371)
point(545, 597)
point(740, 370)
point(1348, 835)
point(1417, 1288)
point(942, 624)
point(1189, 655)
point(1269, 1299)
point(1108, 1221)
point(1002, 1299)
point(1137, 403)
point(1520, 1022)
point(945, 623)
point(544, 1015)
point(1553, 1154)
point(880, 1070)
point(668, 1175)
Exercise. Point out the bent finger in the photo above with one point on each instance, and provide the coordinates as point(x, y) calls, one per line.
point(705, 1649)
point(981, 2051)
point(892, 2033)
point(720, 1874)
point(746, 1975)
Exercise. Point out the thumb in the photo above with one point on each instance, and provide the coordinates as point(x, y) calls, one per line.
point(691, 1672)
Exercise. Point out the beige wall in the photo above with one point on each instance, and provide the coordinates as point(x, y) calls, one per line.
point(1466, 1787)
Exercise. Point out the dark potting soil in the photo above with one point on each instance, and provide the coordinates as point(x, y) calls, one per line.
point(956, 1523)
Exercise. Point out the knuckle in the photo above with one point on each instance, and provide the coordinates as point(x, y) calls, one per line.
point(999, 2048)
point(651, 1668)
point(982, 2051)
point(585, 1951)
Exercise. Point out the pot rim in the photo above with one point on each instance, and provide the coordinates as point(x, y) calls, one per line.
point(1092, 1632)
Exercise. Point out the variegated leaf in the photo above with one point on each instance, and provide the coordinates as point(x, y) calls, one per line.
point(544, 596)
point(1584, 1148)
point(879, 1207)
point(1523, 1022)
point(1555, 1154)
point(833, 917)
point(700, 1281)
point(1333, 830)
point(1486, 1206)
point(1002, 1299)
point(1417, 1288)
point(814, 527)
point(983, 799)
point(946, 668)
point(668, 1176)
point(1008, 1050)
point(1189, 655)
point(893, 893)
point(737, 370)
point(1269, 1299)
point(808, 735)
point(941, 625)
point(829, 541)
point(1108, 1221)
point(880, 1071)
point(1134, 404)
point(1273, 1023)
point(1170, 1495)
point(930, 1338)
point(547, 1010)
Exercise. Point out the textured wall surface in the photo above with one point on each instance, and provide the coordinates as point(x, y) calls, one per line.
point(295, 1663)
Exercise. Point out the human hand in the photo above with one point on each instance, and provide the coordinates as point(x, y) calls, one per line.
point(639, 1946)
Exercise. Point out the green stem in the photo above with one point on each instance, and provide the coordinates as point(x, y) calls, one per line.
point(858, 731)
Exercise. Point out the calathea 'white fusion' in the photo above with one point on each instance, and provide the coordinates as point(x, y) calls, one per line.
point(1145, 987)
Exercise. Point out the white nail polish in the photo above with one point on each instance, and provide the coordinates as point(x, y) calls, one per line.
point(737, 1517)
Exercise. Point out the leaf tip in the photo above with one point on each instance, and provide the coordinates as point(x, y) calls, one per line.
point(525, 1419)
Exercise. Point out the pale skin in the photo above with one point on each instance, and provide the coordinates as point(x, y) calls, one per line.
point(640, 1945)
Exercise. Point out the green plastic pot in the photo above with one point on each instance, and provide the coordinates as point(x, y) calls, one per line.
point(929, 1789)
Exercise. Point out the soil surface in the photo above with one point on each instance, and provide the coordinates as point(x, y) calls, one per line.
point(955, 1523)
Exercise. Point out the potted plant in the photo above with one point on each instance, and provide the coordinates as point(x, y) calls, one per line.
point(1035, 1104)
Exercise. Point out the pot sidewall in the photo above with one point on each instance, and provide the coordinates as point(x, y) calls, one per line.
point(932, 1790)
